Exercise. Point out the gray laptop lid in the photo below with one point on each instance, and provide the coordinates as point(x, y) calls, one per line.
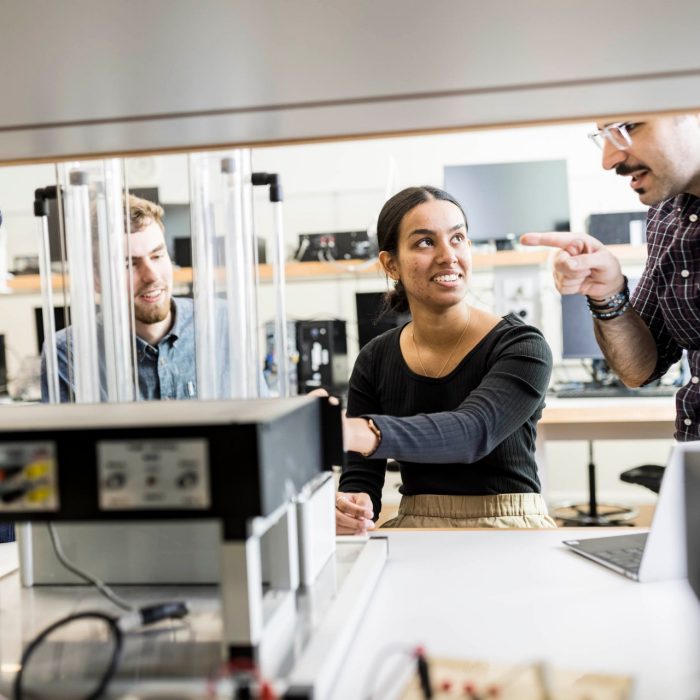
point(664, 555)
point(664, 552)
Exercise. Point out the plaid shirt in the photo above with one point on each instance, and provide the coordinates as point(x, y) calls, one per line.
point(668, 299)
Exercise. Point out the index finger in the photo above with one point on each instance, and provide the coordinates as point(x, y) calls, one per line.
point(560, 240)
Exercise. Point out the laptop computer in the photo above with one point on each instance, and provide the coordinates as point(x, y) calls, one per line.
point(660, 553)
point(692, 519)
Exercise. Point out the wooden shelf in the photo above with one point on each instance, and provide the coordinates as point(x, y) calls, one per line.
point(299, 271)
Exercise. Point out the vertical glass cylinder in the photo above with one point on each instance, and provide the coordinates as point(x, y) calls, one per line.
point(203, 277)
point(255, 378)
point(83, 331)
point(100, 338)
point(115, 297)
point(237, 266)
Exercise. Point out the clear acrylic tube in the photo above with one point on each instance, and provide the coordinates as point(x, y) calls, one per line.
point(236, 267)
point(119, 350)
point(76, 208)
point(203, 277)
point(251, 276)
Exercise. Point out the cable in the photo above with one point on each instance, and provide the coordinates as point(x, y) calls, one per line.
point(114, 628)
point(328, 258)
point(117, 626)
point(102, 587)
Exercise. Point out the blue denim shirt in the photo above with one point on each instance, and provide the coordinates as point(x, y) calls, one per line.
point(166, 371)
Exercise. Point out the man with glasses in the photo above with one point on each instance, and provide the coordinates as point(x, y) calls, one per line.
point(642, 336)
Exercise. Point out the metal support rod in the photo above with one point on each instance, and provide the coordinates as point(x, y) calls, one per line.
point(592, 499)
point(41, 211)
point(279, 280)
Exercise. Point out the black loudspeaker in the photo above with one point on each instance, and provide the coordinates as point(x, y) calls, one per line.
point(323, 355)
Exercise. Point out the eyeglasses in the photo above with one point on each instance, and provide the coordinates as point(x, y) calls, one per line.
point(617, 134)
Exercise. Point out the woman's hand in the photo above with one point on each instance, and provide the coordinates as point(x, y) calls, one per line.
point(357, 436)
point(353, 513)
point(332, 400)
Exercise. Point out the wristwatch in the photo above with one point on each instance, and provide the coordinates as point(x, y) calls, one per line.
point(377, 434)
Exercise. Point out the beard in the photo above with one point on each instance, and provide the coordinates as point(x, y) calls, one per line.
point(152, 313)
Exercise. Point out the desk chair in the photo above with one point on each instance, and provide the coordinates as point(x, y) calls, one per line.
point(593, 513)
point(648, 475)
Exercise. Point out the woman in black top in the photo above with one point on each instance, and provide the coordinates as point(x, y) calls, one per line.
point(454, 396)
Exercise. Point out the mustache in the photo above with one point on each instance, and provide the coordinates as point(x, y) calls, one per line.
point(627, 169)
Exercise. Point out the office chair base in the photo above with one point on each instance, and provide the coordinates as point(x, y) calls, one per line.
point(606, 515)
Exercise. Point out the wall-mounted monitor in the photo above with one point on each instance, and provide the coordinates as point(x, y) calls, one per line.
point(502, 200)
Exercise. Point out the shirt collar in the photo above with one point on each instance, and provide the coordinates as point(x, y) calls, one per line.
point(182, 313)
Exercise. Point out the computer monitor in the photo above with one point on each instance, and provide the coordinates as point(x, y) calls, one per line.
point(176, 220)
point(578, 338)
point(619, 227)
point(149, 193)
point(59, 316)
point(508, 199)
point(369, 323)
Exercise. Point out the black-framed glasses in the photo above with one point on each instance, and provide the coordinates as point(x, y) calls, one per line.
point(617, 134)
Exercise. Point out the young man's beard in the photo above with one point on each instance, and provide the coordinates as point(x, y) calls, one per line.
point(152, 314)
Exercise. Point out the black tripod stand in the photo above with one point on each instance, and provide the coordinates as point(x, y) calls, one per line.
point(593, 513)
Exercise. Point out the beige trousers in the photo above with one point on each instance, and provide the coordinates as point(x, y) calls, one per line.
point(517, 510)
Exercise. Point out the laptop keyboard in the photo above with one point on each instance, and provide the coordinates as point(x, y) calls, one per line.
point(612, 392)
point(629, 558)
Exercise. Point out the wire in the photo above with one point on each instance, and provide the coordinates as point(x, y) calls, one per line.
point(118, 627)
point(41, 637)
point(328, 258)
point(102, 587)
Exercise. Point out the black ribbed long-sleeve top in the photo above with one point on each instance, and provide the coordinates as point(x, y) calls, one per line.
point(471, 432)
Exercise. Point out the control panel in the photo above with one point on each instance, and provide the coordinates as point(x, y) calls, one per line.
point(153, 474)
point(28, 476)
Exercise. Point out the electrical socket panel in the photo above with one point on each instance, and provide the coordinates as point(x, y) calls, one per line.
point(28, 476)
point(517, 292)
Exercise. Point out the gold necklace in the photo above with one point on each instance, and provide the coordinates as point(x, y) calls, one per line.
point(452, 352)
